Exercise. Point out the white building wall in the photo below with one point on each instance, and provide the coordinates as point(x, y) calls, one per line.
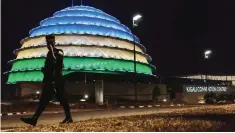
point(213, 77)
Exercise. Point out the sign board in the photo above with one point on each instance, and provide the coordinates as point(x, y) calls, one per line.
point(206, 89)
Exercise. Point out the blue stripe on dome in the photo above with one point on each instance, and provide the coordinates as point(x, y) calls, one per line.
point(87, 8)
point(82, 29)
point(85, 13)
point(84, 20)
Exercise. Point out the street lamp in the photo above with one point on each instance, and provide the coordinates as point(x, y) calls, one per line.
point(135, 19)
point(207, 54)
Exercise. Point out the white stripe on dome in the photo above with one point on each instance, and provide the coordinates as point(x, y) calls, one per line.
point(83, 51)
point(82, 40)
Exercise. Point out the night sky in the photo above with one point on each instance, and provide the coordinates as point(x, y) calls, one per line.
point(174, 32)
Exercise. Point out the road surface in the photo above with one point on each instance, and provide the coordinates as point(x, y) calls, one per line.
point(53, 118)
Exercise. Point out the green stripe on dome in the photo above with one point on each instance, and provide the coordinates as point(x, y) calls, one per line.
point(84, 63)
point(30, 76)
point(37, 76)
point(74, 64)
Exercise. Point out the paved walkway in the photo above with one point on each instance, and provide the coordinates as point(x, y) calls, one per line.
point(53, 118)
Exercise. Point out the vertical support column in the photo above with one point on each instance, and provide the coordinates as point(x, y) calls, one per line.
point(99, 91)
point(17, 92)
point(163, 92)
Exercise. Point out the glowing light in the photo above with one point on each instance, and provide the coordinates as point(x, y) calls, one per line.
point(207, 53)
point(82, 100)
point(137, 17)
point(86, 96)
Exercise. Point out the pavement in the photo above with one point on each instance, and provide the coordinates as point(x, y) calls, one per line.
point(78, 115)
point(55, 109)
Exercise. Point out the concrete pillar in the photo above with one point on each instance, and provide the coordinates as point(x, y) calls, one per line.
point(18, 92)
point(163, 92)
point(99, 91)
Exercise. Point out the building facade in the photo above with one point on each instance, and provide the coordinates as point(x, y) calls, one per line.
point(218, 84)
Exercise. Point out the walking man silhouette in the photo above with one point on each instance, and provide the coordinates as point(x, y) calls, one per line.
point(52, 83)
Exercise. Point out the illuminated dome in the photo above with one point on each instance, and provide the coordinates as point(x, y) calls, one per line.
point(92, 41)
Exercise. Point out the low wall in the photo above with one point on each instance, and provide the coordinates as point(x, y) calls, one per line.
point(111, 90)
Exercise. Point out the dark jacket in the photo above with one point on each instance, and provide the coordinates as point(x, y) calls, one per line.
point(53, 68)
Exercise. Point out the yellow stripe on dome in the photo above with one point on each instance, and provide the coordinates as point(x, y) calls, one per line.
point(81, 40)
point(84, 51)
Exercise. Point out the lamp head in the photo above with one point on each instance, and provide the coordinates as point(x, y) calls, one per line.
point(207, 53)
point(136, 18)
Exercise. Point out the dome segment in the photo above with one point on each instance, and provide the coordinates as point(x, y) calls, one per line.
point(86, 8)
point(79, 51)
point(85, 11)
point(76, 13)
point(82, 40)
point(84, 20)
point(95, 65)
point(84, 63)
point(82, 29)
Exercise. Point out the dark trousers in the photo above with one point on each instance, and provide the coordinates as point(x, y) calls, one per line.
point(47, 92)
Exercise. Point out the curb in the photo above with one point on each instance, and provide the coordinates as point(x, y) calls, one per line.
point(21, 113)
point(120, 107)
point(49, 112)
point(15, 113)
point(149, 106)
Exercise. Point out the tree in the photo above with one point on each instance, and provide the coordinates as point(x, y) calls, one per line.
point(156, 93)
point(174, 88)
point(210, 98)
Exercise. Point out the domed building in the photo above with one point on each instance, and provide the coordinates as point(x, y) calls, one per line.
point(96, 47)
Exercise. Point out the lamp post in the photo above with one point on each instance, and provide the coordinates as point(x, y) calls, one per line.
point(207, 54)
point(135, 19)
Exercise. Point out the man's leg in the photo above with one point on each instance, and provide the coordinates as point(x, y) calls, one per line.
point(47, 92)
point(60, 95)
point(45, 98)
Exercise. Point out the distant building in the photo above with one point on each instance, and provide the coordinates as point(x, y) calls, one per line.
point(193, 88)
